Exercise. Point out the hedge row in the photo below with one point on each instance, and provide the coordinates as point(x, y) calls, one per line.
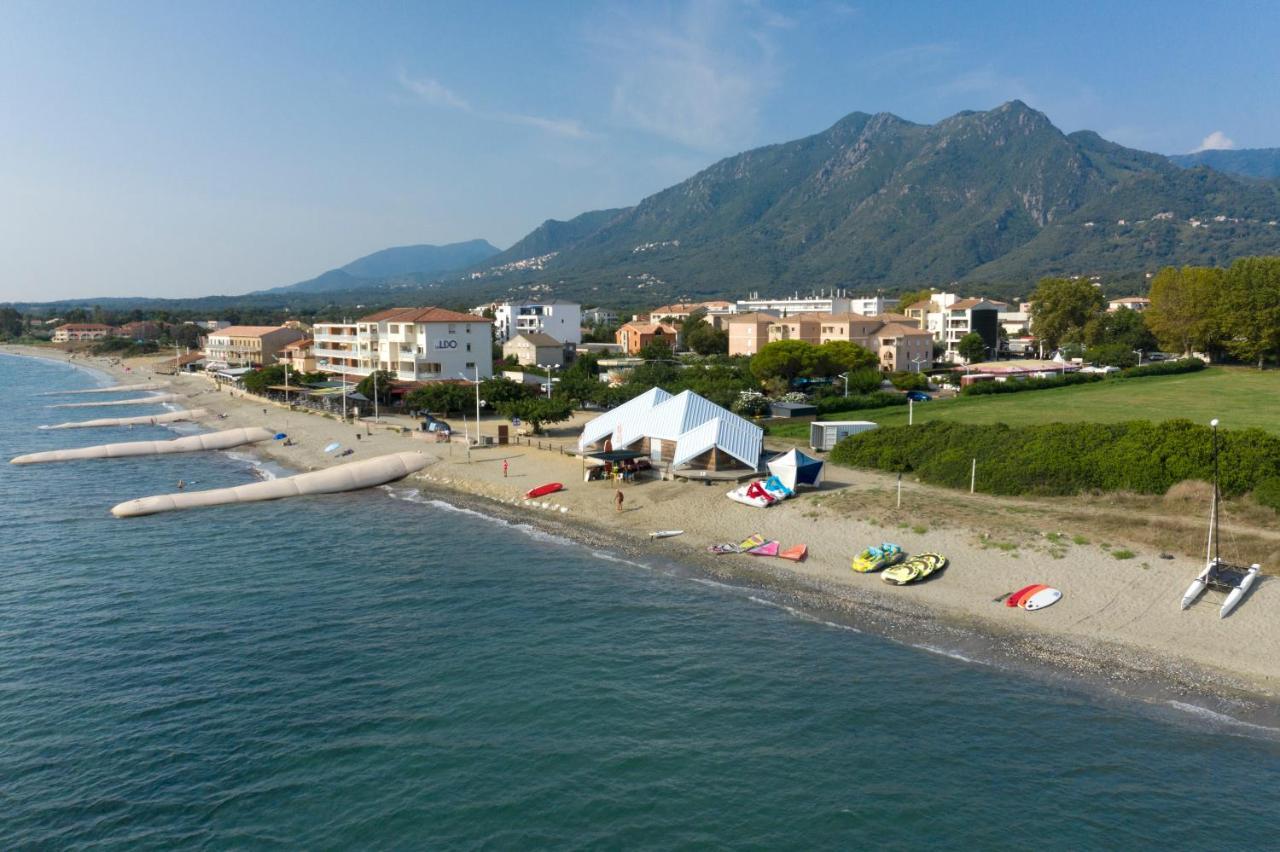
point(1067, 458)
point(1017, 386)
point(1163, 368)
point(875, 399)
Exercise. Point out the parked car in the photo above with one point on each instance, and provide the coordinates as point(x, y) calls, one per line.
point(918, 396)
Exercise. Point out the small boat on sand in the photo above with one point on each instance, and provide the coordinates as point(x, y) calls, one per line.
point(665, 533)
point(877, 558)
point(914, 569)
point(543, 490)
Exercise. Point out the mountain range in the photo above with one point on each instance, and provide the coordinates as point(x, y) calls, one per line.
point(876, 202)
point(1262, 163)
point(990, 200)
point(390, 264)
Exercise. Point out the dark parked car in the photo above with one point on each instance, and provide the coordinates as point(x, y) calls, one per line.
point(918, 396)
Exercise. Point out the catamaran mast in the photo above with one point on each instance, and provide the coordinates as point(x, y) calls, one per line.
point(1213, 522)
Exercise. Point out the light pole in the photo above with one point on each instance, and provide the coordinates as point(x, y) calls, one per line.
point(550, 375)
point(845, 376)
point(477, 384)
point(1138, 352)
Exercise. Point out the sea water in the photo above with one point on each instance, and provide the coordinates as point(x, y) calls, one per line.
point(383, 670)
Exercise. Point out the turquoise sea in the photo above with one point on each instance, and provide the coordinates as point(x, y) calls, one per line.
point(383, 670)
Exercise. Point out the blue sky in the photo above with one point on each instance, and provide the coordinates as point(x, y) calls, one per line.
point(185, 149)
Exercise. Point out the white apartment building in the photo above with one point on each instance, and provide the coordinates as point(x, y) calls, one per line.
point(417, 344)
point(869, 306)
point(561, 320)
point(599, 316)
point(796, 305)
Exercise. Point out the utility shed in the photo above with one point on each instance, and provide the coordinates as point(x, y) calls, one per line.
point(825, 434)
point(792, 409)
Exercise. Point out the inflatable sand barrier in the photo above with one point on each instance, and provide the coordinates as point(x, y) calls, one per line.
point(112, 389)
point(347, 477)
point(142, 400)
point(144, 420)
point(191, 444)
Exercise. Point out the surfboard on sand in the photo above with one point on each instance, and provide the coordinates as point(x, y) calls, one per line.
point(665, 533)
point(1017, 597)
point(543, 490)
point(1041, 599)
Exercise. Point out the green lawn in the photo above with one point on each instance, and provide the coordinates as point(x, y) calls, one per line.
point(1238, 396)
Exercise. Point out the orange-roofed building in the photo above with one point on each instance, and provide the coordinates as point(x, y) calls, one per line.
point(634, 336)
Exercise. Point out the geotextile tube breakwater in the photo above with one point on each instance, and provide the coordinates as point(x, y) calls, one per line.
point(143, 420)
point(348, 477)
point(143, 400)
point(113, 389)
point(224, 440)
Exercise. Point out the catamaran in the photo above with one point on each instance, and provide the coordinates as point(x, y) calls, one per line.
point(1235, 580)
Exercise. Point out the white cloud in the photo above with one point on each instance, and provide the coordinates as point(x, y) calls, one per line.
point(696, 76)
point(431, 91)
point(1215, 141)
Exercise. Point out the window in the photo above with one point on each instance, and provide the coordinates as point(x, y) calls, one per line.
point(468, 347)
point(471, 365)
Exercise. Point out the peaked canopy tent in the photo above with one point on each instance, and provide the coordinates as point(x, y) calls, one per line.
point(795, 468)
point(683, 430)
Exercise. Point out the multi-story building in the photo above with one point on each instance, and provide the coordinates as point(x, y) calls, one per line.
point(868, 306)
point(901, 347)
point(297, 356)
point(851, 327)
point(561, 320)
point(141, 330)
point(635, 336)
point(416, 344)
point(717, 312)
point(247, 345)
point(599, 316)
point(748, 332)
point(76, 332)
point(804, 327)
point(967, 316)
point(1133, 303)
point(534, 350)
point(335, 348)
point(796, 305)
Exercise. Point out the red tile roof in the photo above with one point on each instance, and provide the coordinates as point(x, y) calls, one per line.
point(427, 314)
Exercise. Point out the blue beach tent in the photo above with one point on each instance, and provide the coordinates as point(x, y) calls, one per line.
point(795, 468)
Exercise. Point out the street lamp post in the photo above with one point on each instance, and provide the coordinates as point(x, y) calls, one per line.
point(475, 382)
point(845, 376)
point(550, 375)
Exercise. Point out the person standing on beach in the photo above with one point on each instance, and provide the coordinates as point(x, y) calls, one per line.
point(504, 468)
point(617, 500)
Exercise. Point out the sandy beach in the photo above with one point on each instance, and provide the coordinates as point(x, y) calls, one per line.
point(1119, 618)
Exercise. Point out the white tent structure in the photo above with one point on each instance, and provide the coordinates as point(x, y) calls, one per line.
point(692, 424)
point(795, 468)
point(606, 424)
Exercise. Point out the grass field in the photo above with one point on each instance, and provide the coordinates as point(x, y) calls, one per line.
point(1240, 397)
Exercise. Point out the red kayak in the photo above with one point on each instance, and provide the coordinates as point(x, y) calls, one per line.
point(543, 490)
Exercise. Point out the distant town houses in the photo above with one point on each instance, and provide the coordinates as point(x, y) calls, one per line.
point(248, 345)
point(416, 344)
point(1133, 303)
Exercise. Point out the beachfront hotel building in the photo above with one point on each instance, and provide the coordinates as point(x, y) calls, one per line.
point(75, 332)
point(416, 344)
point(248, 345)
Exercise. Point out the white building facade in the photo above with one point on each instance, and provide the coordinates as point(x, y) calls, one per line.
point(416, 344)
point(561, 320)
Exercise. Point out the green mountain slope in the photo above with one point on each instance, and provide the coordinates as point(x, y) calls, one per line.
point(1263, 163)
point(878, 202)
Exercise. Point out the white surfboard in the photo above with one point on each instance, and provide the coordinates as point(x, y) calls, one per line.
point(1042, 599)
point(665, 533)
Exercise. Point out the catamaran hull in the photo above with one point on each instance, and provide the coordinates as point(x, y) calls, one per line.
point(1196, 589)
point(1237, 593)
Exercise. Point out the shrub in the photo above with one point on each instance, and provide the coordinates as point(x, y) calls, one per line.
point(1267, 492)
point(878, 399)
point(1066, 458)
point(751, 405)
point(1019, 385)
point(905, 381)
point(1164, 368)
